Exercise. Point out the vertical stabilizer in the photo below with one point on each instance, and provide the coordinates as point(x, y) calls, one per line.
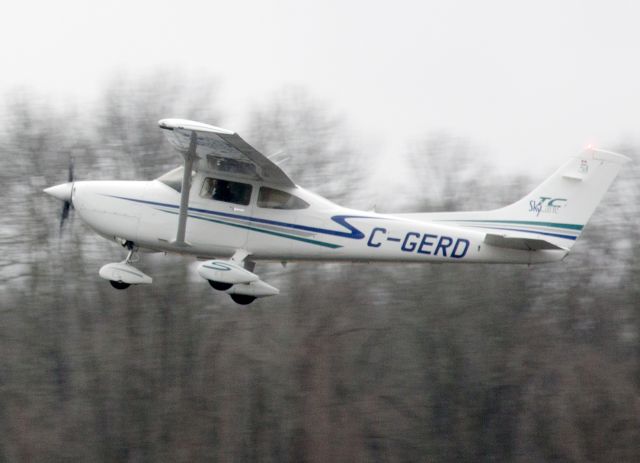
point(557, 210)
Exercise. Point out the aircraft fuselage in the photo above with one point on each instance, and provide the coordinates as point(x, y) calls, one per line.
point(146, 213)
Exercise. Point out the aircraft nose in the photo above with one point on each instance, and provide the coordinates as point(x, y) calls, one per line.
point(62, 191)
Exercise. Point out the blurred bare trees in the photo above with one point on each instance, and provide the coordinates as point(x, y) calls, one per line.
point(351, 363)
point(313, 143)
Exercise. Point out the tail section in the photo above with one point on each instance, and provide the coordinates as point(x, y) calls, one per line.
point(557, 210)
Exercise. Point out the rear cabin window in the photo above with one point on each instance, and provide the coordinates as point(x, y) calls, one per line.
point(226, 191)
point(270, 198)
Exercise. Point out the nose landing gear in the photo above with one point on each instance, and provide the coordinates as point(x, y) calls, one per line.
point(121, 275)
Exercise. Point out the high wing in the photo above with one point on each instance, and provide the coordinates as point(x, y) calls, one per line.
point(212, 149)
point(224, 151)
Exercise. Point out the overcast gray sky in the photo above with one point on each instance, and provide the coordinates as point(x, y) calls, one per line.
point(530, 81)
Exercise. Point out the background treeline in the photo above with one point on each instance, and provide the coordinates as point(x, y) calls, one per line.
point(352, 362)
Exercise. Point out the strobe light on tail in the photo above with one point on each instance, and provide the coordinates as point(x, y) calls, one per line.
point(232, 207)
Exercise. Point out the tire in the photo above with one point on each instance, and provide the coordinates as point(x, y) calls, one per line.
point(119, 284)
point(220, 286)
point(242, 299)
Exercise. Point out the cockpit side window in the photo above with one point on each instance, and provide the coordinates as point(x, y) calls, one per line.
point(270, 198)
point(226, 191)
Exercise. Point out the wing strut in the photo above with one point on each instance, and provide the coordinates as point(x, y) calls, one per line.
point(189, 157)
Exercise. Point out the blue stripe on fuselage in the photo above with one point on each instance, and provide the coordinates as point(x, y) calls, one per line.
point(353, 233)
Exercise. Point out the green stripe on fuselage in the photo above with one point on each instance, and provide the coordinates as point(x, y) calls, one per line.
point(261, 230)
point(567, 226)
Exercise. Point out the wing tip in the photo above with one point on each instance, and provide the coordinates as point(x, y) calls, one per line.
point(185, 124)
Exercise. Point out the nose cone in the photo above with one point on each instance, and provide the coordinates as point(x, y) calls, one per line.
point(62, 191)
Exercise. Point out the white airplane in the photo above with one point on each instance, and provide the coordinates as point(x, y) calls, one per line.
point(242, 208)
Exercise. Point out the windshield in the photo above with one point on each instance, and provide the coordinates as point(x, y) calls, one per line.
point(173, 178)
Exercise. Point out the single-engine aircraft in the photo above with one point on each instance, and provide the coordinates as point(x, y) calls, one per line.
point(230, 206)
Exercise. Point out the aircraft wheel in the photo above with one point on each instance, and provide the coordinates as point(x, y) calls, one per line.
point(119, 284)
point(220, 286)
point(242, 299)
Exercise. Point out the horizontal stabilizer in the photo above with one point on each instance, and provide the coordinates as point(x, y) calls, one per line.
point(526, 244)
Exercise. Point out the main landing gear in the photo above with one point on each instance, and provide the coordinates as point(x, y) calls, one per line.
point(242, 299)
point(235, 277)
point(219, 285)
